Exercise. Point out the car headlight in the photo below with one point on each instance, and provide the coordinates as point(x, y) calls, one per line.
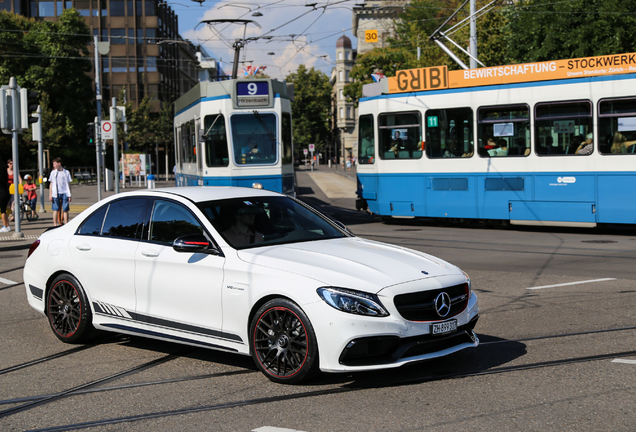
point(470, 289)
point(351, 301)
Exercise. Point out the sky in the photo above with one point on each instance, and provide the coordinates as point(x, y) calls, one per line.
point(301, 33)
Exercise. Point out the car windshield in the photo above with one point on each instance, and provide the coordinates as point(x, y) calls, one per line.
point(251, 222)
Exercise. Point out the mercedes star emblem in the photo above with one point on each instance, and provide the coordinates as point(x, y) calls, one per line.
point(442, 304)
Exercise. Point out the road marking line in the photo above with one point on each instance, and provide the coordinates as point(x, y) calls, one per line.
point(624, 361)
point(571, 283)
point(7, 281)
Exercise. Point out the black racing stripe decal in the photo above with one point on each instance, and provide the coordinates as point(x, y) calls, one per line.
point(167, 336)
point(36, 292)
point(104, 309)
point(184, 327)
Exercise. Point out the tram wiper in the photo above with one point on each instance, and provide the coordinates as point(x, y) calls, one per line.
point(205, 134)
point(269, 133)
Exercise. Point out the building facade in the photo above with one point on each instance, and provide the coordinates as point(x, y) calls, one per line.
point(146, 55)
point(374, 23)
point(344, 111)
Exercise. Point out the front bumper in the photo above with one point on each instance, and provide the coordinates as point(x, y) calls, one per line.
point(348, 343)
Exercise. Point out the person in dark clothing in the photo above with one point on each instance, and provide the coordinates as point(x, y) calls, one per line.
point(4, 194)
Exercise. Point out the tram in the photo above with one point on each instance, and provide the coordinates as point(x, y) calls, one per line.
point(235, 133)
point(548, 143)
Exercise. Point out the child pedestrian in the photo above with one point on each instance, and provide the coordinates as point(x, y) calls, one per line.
point(32, 196)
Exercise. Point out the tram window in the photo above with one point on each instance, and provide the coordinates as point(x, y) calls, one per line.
point(366, 144)
point(216, 150)
point(286, 135)
point(503, 131)
point(449, 133)
point(400, 135)
point(254, 138)
point(617, 126)
point(562, 128)
point(187, 142)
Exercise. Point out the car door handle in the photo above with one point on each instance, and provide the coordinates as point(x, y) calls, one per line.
point(150, 253)
point(83, 247)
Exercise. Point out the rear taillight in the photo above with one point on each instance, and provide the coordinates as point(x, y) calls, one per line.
point(33, 247)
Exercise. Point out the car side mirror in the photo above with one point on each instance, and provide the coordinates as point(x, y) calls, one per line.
point(194, 243)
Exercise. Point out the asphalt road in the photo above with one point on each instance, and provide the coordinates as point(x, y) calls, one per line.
point(558, 351)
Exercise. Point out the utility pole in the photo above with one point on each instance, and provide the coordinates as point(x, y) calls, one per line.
point(37, 136)
point(15, 108)
point(473, 35)
point(113, 119)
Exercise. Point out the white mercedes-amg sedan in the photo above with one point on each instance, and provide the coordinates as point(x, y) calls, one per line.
point(251, 272)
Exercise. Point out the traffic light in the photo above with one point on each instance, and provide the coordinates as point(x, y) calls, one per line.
point(28, 105)
point(90, 133)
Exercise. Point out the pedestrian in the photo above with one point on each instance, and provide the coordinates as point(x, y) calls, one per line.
point(12, 177)
point(32, 196)
point(60, 192)
point(4, 195)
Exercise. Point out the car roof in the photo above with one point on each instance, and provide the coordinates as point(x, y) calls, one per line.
point(209, 193)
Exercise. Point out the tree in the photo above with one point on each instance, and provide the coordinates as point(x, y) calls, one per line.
point(541, 30)
point(310, 108)
point(413, 29)
point(52, 59)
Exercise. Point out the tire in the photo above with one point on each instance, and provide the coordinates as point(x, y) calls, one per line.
point(283, 342)
point(67, 308)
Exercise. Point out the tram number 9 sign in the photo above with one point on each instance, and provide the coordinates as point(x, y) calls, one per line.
point(371, 36)
point(252, 93)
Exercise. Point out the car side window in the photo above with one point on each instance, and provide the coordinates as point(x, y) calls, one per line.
point(170, 220)
point(125, 218)
point(93, 224)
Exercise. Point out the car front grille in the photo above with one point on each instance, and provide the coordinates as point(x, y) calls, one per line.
point(420, 306)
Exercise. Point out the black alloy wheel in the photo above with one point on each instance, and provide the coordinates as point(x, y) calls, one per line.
point(68, 311)
point(283, 342)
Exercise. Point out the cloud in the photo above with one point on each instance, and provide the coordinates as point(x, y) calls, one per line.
point(300, 34)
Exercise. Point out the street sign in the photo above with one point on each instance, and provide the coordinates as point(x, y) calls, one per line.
point(107, 130)
point(312, 147)
point(305, 151)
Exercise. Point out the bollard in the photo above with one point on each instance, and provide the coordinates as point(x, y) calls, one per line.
point(151, 181)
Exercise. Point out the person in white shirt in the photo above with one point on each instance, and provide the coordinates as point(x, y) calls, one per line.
point(60, 192)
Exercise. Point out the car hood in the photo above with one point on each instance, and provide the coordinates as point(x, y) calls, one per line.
point(351, 262)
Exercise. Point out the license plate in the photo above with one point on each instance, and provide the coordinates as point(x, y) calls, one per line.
point(444, 327)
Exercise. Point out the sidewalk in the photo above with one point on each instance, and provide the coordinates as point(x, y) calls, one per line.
point(83, 196)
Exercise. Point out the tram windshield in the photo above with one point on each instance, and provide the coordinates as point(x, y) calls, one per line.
point(254, 138)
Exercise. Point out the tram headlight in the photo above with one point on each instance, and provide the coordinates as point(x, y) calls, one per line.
point(257, 185)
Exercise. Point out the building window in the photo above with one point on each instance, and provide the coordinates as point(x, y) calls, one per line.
point(151, 65)
point(131, 36)
point(346, 76)
point(130, 8)
point(43, 9)
point(347, 55)
point(340, 56)
point(150, 8)
point(117, 8)
point(83, 7)
point(348, 112)
point(119, 64)
point(151, 34)
point(117, 36)
point(341, 94)
point(341, 113)
point(341, 75)
point(105, 67)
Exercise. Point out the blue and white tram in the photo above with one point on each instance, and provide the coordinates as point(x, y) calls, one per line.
point(550, 143)
point(235, 133)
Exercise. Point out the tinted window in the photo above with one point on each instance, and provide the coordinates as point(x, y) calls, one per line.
point(449, 133)
point(171, 220)
point(125, 218)
point(216, 151)
point(366, 143)
point(93, 225)
point(249, 222)
point(617, 126)
point(504, 131)
point(563, 128)
point(400, 136)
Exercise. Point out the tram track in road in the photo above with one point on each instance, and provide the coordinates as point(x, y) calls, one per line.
point(332, 391)
point(54, 397)
point(34, 401)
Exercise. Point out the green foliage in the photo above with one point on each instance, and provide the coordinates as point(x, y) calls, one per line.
point(419, 20)
point(51, 58)
point(311, 106)
point(148, 129)
point(543, 30)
